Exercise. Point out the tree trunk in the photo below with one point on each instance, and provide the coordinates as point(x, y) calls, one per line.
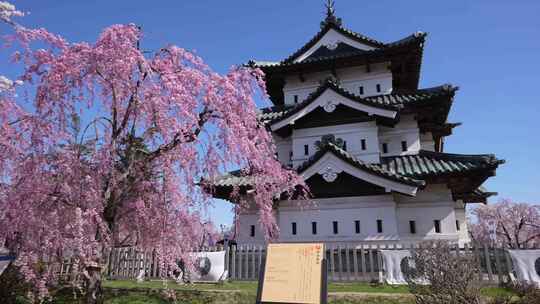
point(93, 288)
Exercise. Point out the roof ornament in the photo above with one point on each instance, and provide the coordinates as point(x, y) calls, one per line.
point(330, 15)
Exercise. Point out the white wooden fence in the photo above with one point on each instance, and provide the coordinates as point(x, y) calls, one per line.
point(346, 262)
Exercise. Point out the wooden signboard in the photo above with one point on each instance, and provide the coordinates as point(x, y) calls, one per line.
point(293, 273)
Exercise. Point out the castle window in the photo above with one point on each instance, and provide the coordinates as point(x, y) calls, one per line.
point(403, 146)
point(293, 228)
point(378, 88)
point(437, 225)
point(313, 228)
point(306, 150)
point(335, 227)
point(295, 98)
point(379, 226)
point(345, 145)
point(457, 226)
point(412, 227)
point(290, 155)
point(384, 148)
point(361, 90)
point(252, 231)
point(357, 227)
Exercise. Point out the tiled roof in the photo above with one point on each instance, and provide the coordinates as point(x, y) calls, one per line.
point(372, 168)
point(408, 169)
point(427, 163)
point(234, 178)
point(327, 27)
point(393, 101)
point(417, 38)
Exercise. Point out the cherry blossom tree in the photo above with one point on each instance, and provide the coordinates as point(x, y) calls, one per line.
point(110, 146)
point(516, 225)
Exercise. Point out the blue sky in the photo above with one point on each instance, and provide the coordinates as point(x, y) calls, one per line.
point(489, 48)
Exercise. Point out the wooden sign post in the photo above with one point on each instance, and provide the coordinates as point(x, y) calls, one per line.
point(293, 273)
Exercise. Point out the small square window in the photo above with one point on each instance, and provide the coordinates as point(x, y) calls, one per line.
point(293, 228)
point(379, 226)
point(314, 228)
point(306, 150)
point(384, 148)
point(363, 144)
point(457, 226)
point(403, 146)
point(361, 90)
point(252, 231)
point(357, 227)
point(295, 98)
point(412, 227)
point(335, 227)
point(437, 225)
point(378, 88)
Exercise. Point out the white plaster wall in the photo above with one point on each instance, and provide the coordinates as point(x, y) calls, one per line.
point(244, 229)
point(283, 148)
point(432, 203)
point(427, 142)
point(350, 78)
point(345, 211)
point(352, 133)
point(463, 232)
point(407, 129)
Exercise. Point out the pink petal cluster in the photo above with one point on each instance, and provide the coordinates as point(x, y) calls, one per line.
point(507, 223)
point(111, 148)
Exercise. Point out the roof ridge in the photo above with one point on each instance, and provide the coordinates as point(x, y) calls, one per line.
point(346, 156)
point(487, 158)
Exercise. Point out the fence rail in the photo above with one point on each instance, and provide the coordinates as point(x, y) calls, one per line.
point(346, 262)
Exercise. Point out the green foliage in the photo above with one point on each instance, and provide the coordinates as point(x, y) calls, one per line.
point(13, 288)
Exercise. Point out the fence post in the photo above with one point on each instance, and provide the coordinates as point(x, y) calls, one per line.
point(498, 264)
point(488, 263)
point(355, 261)
point(233, 263)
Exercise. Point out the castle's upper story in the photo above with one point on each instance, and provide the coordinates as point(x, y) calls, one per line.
point(362, 91)
point(349, 117)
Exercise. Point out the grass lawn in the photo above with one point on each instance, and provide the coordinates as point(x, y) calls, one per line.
point(128, 292)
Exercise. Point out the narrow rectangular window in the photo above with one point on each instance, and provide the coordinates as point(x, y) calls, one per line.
point(357, 227)
point(313, 228)
point(403, 146)
point(306, 150)
point(252, 231)
point(335, 227)
point(290, 155)
point(345, 145)
point(412, 227)
point(295, 98)
point(384, 148)
point(361, 90)
point(378, 88)
point(457, 226)
point(437, 225)
point(363, 143)
point(379, 226)
point(293, 228)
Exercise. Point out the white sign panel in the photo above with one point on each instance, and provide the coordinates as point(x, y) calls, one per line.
point(209, 266)
point(527, 265)
point(393, 261)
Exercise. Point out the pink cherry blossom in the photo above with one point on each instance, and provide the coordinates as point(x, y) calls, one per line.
point(111, 146)
point(515, 225)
